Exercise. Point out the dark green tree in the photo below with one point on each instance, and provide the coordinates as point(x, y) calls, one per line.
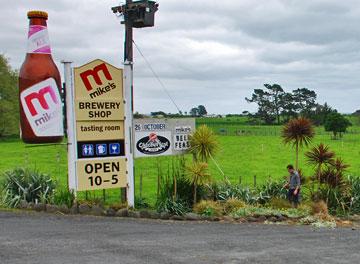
point(9, 104)
point(304, 101)
point(337, 124)
point(159, 113)
point(289, 109)
point(269, 101)
point(320, 113)
point(202, 110)
point(194, 111)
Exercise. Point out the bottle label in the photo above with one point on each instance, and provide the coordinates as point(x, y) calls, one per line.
point(38, 40)
point(43, 108)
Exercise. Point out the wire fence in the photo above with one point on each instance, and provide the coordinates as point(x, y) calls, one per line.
point(236, 129)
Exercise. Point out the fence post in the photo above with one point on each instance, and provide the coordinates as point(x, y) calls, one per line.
point(240, 179)
point(254, 180)
point(140, 186)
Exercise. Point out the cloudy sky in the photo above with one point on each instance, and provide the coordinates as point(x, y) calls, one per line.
point(208, 52)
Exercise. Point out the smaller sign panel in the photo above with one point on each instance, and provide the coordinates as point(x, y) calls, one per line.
point(153, 143)
point(99, 110)
point(155, 137)
point(181, 138)
point(99, 130)
point(94, 174)
point(100, 149)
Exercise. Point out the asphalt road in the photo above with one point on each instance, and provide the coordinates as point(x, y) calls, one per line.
point(27, 237)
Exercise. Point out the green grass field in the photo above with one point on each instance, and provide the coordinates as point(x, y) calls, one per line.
point(257, 151)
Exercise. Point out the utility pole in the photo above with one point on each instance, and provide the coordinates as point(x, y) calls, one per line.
point(136, 14)
point(128, 47)
point(128, 62)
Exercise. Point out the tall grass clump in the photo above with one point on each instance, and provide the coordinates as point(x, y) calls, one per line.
point(25, 184)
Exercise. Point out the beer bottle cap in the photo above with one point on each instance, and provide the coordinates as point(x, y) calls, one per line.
point(37, 14)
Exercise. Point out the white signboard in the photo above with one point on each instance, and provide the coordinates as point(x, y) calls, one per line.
point(157, 137)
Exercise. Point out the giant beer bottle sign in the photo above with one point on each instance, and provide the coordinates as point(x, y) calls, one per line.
point(99, 114)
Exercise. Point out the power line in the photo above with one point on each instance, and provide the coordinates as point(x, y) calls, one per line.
point(157, 77)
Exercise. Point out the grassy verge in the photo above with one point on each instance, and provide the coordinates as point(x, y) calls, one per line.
point(240, 157)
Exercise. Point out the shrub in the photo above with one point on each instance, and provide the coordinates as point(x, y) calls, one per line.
point(198, 175)
point(208, 208)
point(354, 206)
point(63, 197)
point(233, 205)
point(25, 184)
point(119, 205)
point(227, 191)
point(170, 206)
point(139, 203)
point(257, 211)
point(279, 203)
point(319, 207)
point(273, 189)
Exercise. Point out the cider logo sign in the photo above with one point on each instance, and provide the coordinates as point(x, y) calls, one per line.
point(153, 144)
point(95, 74)
point(42, 107)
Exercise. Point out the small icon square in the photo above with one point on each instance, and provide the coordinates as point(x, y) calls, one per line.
point(87, 150)
point(101, 149)
point(114, 148)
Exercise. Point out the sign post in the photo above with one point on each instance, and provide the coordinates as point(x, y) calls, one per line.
point(100, 127)
point(128, 81)
point(70, 119)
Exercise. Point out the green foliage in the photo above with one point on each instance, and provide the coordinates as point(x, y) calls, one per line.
point(9, 106)
point(273, 189)
point(278, 203)
point(168, 199)
point(354, 206)
point(319, 115)
point(203, 144)
point(274, 104)
point(233, 205)
point(268, 212)
point(336, 123)
point(63, 196)
point(172, 206)
point(226, 191)
point(24, 184)
point(141, 203)
point(198, 175)
point(208, 208)
point(198, 111)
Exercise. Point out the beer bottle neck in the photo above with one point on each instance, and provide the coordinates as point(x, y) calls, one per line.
point(38, 37)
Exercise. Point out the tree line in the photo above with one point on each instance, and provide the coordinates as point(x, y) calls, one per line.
point(276, 106)
point(9, 104)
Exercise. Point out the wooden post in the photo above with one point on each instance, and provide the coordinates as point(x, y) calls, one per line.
point(140, 186)
point(254, 180)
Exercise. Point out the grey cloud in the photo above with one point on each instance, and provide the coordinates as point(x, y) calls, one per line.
point(209, 52)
